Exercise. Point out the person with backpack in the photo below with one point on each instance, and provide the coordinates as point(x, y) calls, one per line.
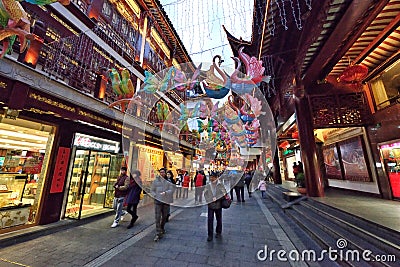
point(239, 189)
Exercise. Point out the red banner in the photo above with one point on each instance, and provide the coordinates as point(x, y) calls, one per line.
point(57, 184)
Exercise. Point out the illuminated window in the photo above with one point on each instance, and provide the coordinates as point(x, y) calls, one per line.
point(115, 19)
point(53, 34)
point(124, 28)
point(106, 10)
point(132, 34)
point(160, 42)
point(386, 87)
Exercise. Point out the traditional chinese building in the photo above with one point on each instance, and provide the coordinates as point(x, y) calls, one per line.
point(333, 65)
point(60, 146)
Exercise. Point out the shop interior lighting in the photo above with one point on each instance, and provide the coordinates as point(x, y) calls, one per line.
point(96, 126)
point(392, 66)
point(8, 146)
point(15, 142)
point(23, 135)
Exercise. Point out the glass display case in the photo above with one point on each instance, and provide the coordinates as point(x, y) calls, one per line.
point(11, 189)
point(13, 211)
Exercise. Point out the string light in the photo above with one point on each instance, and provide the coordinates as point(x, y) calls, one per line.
point(308, 3)
point(271, 23)
point(205, 34)
point(297, 20)
point(281, 8)
point(282, 13)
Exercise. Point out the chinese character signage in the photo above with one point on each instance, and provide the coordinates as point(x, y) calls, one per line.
point(60, 171)
point(94, 143)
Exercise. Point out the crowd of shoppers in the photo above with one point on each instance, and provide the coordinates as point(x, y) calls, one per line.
point(128, 189)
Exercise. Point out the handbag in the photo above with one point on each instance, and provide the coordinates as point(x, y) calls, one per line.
point(226, 202)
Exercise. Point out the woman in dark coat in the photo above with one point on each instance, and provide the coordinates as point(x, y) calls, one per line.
point(133, 197)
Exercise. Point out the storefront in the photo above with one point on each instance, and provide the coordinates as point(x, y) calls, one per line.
point(94, 168)
point(25, 149)
point(174, 161)
point(347, 160)
point(289, 158)
point(149, 161)
point(390, 156)
point(289, 148)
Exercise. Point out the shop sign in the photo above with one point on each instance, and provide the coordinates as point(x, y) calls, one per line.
point(57, 183)
point(150, 150)
point(149, 161)
point(391, 146)
point(42, 103)
point(200, 152)
point(93, 143)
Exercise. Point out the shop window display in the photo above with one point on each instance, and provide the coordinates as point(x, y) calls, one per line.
point(386, 87)
point(391, 159)
point(91, 183)
point(22, 159)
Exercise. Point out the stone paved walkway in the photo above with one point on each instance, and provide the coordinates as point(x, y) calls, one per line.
point(247, 228)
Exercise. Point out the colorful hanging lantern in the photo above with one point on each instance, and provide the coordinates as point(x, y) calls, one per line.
point(285, 144)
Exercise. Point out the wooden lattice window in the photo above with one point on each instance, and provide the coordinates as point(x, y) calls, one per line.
point(341, 110)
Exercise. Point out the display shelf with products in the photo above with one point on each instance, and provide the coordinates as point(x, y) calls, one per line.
point(115, 166)
point(78, 169)
point(99, 167)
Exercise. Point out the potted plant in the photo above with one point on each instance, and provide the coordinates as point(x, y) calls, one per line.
point(301, 184)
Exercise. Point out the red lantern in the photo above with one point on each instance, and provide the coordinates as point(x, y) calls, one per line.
point(284, 144)
point(354, 74)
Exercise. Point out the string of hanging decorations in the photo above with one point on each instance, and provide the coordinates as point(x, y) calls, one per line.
point(280, 10)
point(201, 30)
point(236, 122)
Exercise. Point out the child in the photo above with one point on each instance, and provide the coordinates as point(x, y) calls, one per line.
point(262, 186)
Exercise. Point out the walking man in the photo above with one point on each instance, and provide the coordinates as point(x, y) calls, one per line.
point(133, 197)
point(162, 191)
point(120, 191)
point(213, 193)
